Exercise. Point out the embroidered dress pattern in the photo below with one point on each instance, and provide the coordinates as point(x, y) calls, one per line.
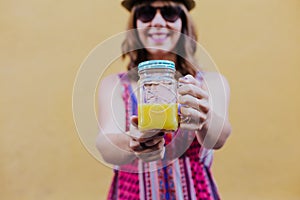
point(187, 177)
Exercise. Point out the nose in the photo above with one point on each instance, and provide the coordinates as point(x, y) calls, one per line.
point(158, 20)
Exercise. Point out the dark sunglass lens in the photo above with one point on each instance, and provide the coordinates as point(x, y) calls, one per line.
point(145, 13)
point(171, 13)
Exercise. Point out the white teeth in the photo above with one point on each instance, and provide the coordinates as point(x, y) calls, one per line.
point(158, 37)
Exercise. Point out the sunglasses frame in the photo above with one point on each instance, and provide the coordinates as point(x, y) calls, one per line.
point(176, 11)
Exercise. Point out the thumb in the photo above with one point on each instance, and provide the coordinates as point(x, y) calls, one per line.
point(134, 120)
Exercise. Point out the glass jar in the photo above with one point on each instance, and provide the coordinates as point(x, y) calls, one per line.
point(157, 96)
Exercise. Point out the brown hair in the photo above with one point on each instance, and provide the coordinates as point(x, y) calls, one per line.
point(185, 48)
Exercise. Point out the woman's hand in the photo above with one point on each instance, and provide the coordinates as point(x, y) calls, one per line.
point(193, 97)
point(203, 112)
point(148, 146)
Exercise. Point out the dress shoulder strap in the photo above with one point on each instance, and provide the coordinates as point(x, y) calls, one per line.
point(128, 98)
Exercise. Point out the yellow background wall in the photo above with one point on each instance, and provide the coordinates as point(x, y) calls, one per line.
point(255, 44)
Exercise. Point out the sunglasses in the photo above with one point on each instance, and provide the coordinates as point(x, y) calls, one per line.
point(147, 13)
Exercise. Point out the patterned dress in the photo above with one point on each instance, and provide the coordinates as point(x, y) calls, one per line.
point(187, 176)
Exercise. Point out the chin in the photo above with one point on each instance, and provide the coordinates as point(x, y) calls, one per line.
point(158, 54)
point(159, 51)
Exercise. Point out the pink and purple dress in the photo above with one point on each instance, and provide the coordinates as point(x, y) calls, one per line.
point(186, 177)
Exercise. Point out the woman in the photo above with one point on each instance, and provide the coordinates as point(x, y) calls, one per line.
point(156, 35)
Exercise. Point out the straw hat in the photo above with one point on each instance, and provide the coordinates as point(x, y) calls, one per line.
point(128, 4)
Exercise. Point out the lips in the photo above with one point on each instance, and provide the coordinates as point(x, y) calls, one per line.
point(158, 37)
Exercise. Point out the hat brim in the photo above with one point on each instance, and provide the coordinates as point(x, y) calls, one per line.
point(128, 4)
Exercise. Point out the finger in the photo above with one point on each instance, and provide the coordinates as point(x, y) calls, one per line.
point(191, 127)
point(142, 136)
point(153, 142)
point(190, 101)
point(146, 136)
point(195, 115)
point(154, 148)
point(190, 79)
point(193, 90)
point(134, 132)
point(134, 121)
point(151, 156)
point(135, 145)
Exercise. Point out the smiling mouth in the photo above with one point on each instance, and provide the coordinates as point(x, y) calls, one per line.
point(158, 37)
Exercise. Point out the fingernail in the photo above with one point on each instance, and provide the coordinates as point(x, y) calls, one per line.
point(161, 134)
point(179, 109)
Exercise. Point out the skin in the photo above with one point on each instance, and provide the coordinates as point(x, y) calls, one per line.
point(205, 104)
point(159, 35)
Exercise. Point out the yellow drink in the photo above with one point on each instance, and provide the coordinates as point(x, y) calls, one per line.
point(158, 116)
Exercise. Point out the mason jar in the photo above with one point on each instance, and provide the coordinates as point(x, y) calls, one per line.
point(157, 96)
